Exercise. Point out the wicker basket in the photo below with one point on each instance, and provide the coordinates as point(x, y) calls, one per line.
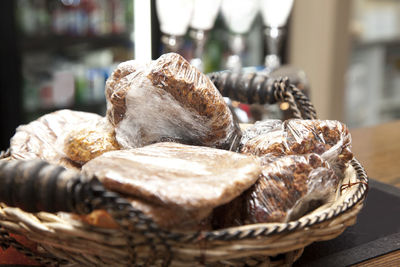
point(43, 192)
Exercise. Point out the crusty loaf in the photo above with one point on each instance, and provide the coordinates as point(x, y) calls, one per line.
point(168, 99)
point(286, 187)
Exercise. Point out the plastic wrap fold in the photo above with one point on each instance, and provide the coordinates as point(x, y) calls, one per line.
point(43, 138)
point(328, 138)
point(168, 100)
point(289, 187)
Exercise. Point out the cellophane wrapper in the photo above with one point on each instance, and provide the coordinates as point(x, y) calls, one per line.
point(40, 138)
point(289, 187)
point(88, 140)
point(328, 138)
point(168, 100)
point(177, 185)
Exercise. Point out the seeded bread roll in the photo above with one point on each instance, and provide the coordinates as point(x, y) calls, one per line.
point(168, 100)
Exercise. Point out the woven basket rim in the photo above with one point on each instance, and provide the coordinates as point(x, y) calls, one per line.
point(325, 224)
point(269, 229)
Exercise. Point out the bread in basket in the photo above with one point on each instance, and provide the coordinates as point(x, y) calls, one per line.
point(38, 198)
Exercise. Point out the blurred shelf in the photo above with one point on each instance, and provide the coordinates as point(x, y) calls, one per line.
point(62, 42)
point(377, 42)
point(390, 103)
point(98, 107)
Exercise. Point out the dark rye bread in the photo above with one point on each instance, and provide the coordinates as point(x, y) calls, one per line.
point(181, 97)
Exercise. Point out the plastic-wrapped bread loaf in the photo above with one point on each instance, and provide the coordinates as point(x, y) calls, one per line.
point(177, 185)
point(168, 100)
point(89, 140)
point(42, 138)
point(289, 187)
point(328, 138)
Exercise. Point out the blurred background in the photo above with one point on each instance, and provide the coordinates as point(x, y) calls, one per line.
point(345, 54)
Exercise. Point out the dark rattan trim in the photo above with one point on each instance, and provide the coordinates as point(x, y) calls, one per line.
point(259, 88)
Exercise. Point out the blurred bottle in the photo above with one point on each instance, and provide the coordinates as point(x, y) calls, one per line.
point(82, 94)
point(26, 17)
point(174, 17)
point(275, 15)
point(63, 88)
point(118, 19)
point(33, 17)
point(42, 17)
point(202, 21)
point(73, 17)
point(238, 16)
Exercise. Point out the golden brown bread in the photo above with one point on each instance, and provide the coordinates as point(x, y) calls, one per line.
point(88, 141)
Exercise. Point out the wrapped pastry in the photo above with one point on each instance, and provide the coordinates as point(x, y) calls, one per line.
point(177, 185)
point(168, 100)
point(328, 138)
point(89, 140)
point(40, 138)
point(289, 187)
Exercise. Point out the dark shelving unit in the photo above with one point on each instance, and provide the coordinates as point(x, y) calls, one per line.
point(52, 43)
point(17, 46)
point(10, 75)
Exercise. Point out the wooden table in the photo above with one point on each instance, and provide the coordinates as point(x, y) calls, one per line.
point(378, 150)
